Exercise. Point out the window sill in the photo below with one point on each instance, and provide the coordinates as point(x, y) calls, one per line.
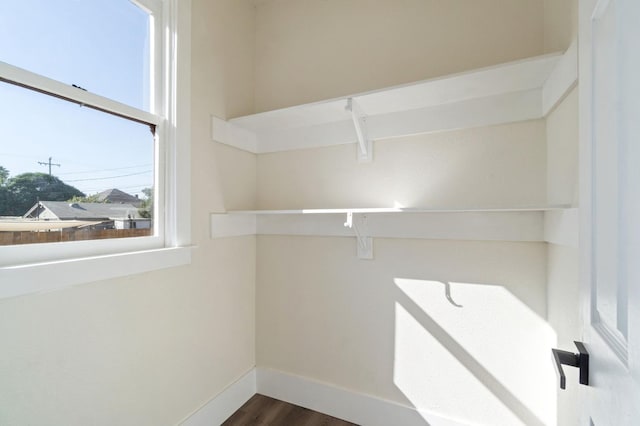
point(42, 277)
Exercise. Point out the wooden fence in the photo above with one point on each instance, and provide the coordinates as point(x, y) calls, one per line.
point(28, 237)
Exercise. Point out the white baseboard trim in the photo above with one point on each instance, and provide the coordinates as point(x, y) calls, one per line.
point(354, 407)
point(219, 408)
point(362, 409)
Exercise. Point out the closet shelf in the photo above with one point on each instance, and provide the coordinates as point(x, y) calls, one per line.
point(523, 90)
point(551, 223)
point(374, 210)
point(516, 91)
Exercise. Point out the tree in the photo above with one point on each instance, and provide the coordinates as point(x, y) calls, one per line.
point(4, 175)
point(27, 188)
point(5, 196)
point(5, 200)
point(146, 207)
point(87, 199)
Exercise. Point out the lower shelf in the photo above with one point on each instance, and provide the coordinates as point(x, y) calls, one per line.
point(553, 224)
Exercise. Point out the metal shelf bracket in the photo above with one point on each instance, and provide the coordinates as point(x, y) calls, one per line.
point(364, 243)
point(365, 146)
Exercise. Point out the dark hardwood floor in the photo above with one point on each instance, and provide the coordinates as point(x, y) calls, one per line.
point(261, 410)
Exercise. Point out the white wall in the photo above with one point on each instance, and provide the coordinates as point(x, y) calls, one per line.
point(563, 298)
point(324, 315)
point(386, 327)
point(563, 315)
point(309, 50)
point(560, 24)
point(562, 151)
point(561, 28)
point(489, 166)
point(151, 348)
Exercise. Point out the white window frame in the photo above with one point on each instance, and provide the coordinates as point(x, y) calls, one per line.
point(34, 268)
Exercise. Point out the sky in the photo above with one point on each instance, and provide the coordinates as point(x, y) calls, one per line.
point(100, 45)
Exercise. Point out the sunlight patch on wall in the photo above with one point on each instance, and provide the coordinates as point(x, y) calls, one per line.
point(473, 352)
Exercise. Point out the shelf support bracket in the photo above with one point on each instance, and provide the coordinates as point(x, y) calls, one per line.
point(364, 243)
point(365, 146)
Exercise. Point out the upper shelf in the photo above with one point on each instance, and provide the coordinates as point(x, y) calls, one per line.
point(517, 76)
point(515, 91)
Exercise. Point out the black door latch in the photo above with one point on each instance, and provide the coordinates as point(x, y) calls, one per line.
point(580, 360)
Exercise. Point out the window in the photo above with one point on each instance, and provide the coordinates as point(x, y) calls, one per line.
point(93, 162)
point(102, 170)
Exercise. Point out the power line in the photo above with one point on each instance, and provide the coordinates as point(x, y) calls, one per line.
point(104, 170)
point(141, 186)
point(110, 177)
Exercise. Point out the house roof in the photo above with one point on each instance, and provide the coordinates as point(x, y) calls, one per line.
point(118, 197)
point(88, 211)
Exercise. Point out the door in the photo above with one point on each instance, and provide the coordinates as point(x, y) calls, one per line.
point(610, 208)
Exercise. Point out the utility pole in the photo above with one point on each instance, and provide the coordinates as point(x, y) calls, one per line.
point(49, 163)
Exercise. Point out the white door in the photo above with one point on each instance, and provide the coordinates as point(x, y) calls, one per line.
point(610, 206)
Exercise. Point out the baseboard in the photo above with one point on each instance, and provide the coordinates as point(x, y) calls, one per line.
point(348, 405)
point(219, 408)
point(344, 404)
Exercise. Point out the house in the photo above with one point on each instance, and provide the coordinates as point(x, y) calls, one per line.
point(102, 215)
point(115, 196)
point(480, 250)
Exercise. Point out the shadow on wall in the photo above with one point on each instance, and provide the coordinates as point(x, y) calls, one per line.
point(456, 330)
point(472, 352)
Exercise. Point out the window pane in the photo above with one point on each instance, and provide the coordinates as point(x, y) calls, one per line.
point(99, 45)
point(80, 164)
